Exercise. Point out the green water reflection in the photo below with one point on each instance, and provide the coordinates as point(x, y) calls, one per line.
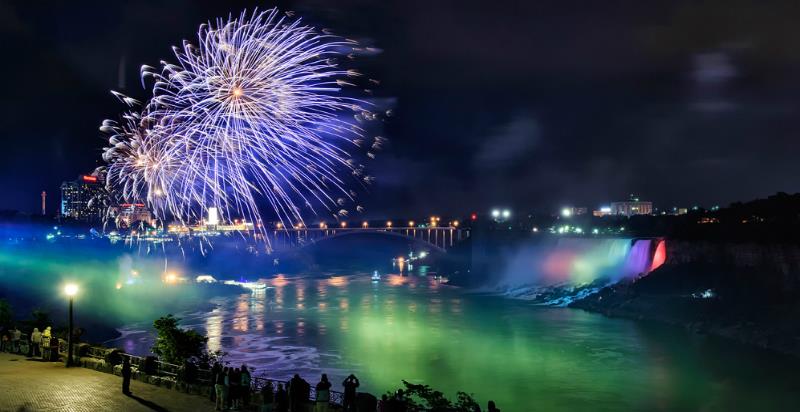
point(522, 356)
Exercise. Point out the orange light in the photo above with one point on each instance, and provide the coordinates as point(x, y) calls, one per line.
point(343, 224)
point(410, 223)
point(389, 224)
point(365, 224)
point(89, 178)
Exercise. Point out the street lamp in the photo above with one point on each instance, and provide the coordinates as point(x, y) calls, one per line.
point(70, 290)
point(389, 224)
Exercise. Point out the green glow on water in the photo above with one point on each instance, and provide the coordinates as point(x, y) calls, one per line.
point(522, 356)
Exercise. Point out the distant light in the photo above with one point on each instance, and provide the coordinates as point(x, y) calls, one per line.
point(474, 216)
point(578, 230)
point(595, 231)
point(118, 286)
point(365, 224)
point(535, 229)
point(506, 213)
point(410, 223)
point(389, 224)
point(71, 289)
point(343, 224)
point(455, 223)
point(566, 212)
point(495, 213)
point(213, 216)
point(605, 209)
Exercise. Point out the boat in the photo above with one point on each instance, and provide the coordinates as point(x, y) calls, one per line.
point(375, 276)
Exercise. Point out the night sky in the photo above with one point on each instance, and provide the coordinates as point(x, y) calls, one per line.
point(528, 104)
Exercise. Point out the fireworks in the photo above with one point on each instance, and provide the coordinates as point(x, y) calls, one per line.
point(253, 116)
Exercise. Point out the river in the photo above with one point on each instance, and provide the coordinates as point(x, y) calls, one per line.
point(525, 357)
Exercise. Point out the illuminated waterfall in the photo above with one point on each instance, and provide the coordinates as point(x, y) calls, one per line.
point(576, 262)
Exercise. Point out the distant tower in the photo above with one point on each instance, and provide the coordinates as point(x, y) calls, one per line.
point(44, 203)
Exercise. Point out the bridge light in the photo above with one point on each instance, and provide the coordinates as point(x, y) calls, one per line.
point(410, 223)
point(389, 224)
point(322, 225)
point(566, 212)
point(279, 225)
point(365, 225)
point(343, 224)
point(455, 223)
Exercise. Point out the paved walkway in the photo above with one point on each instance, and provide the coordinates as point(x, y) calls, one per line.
point(30, 385)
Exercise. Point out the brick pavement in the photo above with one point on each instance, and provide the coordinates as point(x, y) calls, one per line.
point(30, 385)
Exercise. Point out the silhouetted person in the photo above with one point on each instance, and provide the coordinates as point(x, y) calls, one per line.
point(235, 385)
point(491, 407)
point(323, 390)
point(350, 384)
point(219, 388)
point(216, 369)
point(36, 342)
point(126, 375)
point(245, 386)
point(281, 399)
point(267, 397)
point(296, 393)
point(383, 404)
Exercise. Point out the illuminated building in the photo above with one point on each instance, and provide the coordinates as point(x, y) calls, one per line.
point(604, 211)
point(128, 214)
point(632, 207)
point(83, 199)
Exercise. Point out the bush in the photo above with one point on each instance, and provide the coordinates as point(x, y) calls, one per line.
point(424, 397)
point(176, 345)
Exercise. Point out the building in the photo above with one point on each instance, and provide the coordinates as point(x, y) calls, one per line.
point(570, 211)
point(603, 211)
point(632, 207)
point(128, 215)
point(83, 199)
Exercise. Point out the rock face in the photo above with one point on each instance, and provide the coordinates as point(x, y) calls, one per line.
point(748, 292)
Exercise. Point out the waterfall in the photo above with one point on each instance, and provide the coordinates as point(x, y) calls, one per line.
point(557, 272)
point(638, 260)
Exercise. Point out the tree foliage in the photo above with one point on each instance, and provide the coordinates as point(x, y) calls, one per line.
point(5, 313)
point(176, 345)
point(423, 397)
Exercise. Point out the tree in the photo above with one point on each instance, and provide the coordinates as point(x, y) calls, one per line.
point(176, 345)
point(5, 313)
point(424, 397)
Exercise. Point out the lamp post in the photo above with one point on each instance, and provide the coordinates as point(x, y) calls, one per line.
point(71, 290)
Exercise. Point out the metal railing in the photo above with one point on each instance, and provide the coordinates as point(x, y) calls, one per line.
point(259, 382)
point(203, 376)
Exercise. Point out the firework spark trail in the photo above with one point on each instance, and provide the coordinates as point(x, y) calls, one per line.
point(255, 112)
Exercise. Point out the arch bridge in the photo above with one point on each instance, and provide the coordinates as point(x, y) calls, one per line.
point(439, 238)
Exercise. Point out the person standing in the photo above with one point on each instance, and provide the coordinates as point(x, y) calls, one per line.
point(492, 407)
point(281, 399)
point(215, 370)
point(126, 375)
point(219, 388)
point(16, 335)
point(36, 342)
point(323, 390)
point(245, 388)
point(350, 384)
point(267, 397)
